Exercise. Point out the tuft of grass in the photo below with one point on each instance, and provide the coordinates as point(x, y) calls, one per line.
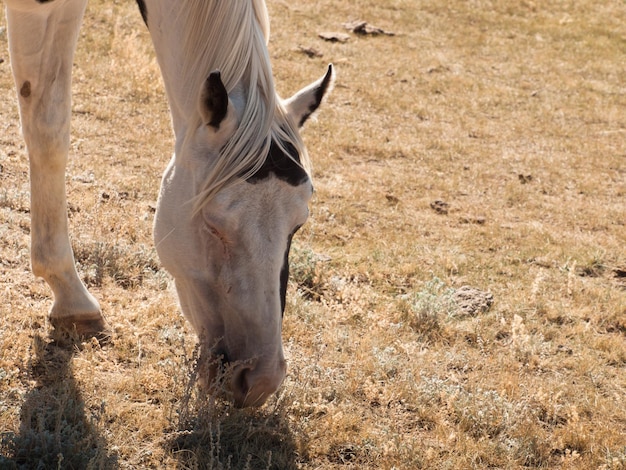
point(126, 266)
point(208, 432)
point(307, 271)
point(430, 308)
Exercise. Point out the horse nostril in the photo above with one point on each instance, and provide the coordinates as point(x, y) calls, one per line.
point(252, 385)
point(241, 387)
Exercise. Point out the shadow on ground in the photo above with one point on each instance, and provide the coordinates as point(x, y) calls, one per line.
point(235, 440)
point(210, 433)
point(55, 430)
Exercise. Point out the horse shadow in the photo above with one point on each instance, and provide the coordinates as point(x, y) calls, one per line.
point(235, 439)
point(55, 429)
point(58, 431)
point(209, 432)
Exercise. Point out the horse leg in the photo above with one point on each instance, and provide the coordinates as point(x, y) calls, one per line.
point(42, 41)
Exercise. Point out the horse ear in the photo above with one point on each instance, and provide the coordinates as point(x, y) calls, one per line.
point(301, 105)
point(214, 101)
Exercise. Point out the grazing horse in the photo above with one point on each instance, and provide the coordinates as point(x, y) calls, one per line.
point(233, 195)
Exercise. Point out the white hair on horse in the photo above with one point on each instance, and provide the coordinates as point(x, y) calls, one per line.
point(236, 45)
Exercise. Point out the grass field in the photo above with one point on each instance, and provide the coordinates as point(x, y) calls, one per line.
point(481, 146)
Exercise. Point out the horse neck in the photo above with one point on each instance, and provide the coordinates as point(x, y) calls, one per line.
point(206, 35)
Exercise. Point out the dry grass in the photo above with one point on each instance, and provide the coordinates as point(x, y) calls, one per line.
point(512, 113)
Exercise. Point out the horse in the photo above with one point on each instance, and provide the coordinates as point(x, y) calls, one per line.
point(233, 195)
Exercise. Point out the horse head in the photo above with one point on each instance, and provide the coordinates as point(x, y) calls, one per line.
point(227, 245)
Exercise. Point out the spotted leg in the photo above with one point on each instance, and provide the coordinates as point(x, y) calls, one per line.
point(42, 41)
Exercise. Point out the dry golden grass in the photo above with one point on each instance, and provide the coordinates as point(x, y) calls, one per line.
point(510, 113)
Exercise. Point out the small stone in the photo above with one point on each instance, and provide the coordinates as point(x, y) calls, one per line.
point(362, 27)
point(440, 207)
point(524, 179)
point(310, 51)
point(473, 219)
point(334, 37)
point(472, 301)
point(392, 199)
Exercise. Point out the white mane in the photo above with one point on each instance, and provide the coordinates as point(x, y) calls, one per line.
point(232, 36)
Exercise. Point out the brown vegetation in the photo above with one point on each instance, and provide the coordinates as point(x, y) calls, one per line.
point(510, 115)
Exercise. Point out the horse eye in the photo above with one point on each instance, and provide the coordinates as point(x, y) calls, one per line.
point(216, 233)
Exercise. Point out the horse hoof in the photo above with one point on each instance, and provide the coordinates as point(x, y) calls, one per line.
point(81, 327)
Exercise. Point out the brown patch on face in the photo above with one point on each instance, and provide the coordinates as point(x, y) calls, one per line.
point(25, 90)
